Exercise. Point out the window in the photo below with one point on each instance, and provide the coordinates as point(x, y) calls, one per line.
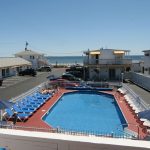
point(147, 54)
point(31, 57)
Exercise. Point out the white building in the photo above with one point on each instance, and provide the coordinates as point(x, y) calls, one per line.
point(146, 68)
point(106, 64)
point(137, 66)
point(9, 66)
point(37, 60)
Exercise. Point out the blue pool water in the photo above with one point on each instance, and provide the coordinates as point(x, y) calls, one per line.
point(86, 111)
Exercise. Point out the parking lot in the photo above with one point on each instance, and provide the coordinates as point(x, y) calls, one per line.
point(16, 85)
point(15, 79)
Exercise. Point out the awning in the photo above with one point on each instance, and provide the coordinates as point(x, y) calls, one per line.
point(95, 53)
point(119, 52)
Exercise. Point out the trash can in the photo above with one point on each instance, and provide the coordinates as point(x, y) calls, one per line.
point(1, 82)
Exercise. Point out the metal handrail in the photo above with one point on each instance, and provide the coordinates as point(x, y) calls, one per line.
point(132, 124)
point(28, 93)
point(136, 97)
point(65, 131)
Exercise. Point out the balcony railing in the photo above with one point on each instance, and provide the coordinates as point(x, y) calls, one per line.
point(107, 61)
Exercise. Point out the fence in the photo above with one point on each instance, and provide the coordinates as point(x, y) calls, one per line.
point(141, 80)
point(123, 135)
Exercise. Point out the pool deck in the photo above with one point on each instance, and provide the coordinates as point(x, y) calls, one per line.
point(134, 124)
point(36, 119)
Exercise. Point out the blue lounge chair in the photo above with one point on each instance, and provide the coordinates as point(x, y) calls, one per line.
point(40, 101)
point(23, 106)
point(29, 108)
point(23, 116)
point(33, 100)
point(45, 96)
point(19, 110)
point(31, 105)
point(20, 116)
point(8, 114)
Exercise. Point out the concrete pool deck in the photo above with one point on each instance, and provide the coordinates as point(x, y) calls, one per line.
point(36, 121)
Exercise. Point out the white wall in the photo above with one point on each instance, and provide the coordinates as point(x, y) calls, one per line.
point(31, 140)
point(104, 74)
point(118, 73)
point(136, 67)
point(139, 79)
point(33, 61)
point(107, 54)
point(147, 60)
point(93, 75)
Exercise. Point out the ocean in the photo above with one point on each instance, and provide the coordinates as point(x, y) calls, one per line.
point(65, 60)
point(70, 60)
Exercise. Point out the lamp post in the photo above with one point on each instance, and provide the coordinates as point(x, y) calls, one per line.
point(122, 77)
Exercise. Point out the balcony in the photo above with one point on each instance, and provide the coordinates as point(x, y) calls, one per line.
point(107, 61)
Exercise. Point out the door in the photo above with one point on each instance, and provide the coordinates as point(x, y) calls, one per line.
point(3, 73)
point(112, 74)
point(97, 58)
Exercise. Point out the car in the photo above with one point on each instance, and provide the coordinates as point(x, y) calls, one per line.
point(30, 71)
point(70, 77)
point(77, 74)
point(45, 68)
point(1, 81)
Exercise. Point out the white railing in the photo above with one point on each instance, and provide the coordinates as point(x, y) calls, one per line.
point(107, 61)
point(136, 98)
point(28, 93)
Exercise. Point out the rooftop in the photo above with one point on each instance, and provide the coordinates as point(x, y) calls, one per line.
point(12, 61)
point(28, 52)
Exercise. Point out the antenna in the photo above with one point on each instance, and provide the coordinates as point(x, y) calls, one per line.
point(26, 45)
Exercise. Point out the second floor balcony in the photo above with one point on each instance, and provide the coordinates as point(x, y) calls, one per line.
point(107, 61)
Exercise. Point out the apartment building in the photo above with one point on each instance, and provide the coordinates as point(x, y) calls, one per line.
point(106, 64)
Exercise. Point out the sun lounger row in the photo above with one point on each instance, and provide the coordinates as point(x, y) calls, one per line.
point(145, 117)
point(122, 90)
point(146, 122)
point(9, 115)
point(27, 106)
point(133, 103)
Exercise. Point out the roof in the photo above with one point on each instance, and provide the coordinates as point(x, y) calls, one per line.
point(28, 52)
point(12, 61)
point(99, 50)
point(146, 50)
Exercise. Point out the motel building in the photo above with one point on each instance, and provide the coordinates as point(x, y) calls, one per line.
point(146, 67)
point(10, 66)
point(107, 64)
point(37, 59)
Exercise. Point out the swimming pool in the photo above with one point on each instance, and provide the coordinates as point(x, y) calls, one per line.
point(88, 111)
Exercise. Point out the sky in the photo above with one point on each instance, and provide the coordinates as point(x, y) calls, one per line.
point(69, 27)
